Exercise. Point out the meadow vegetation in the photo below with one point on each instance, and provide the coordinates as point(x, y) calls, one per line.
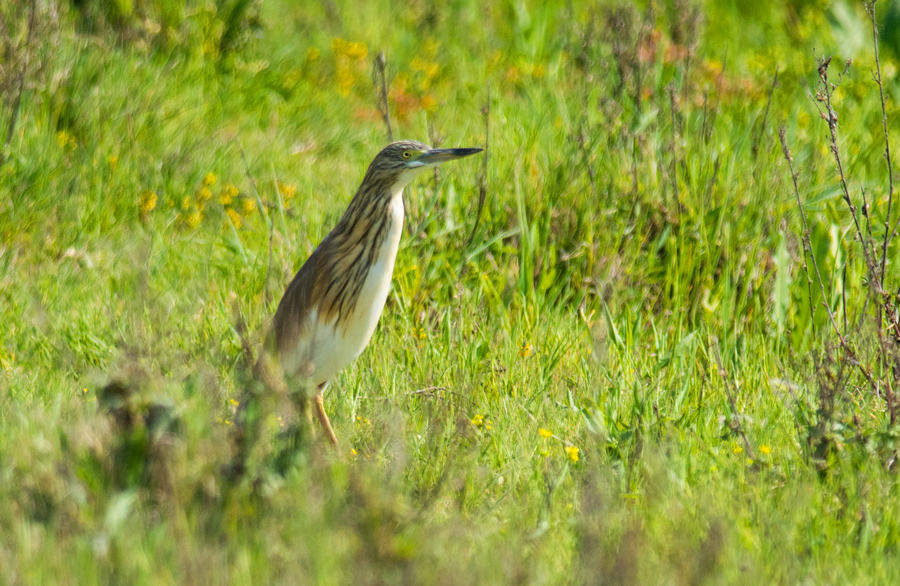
point(643, 341)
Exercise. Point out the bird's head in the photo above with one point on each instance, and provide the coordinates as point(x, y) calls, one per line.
point(399, 162)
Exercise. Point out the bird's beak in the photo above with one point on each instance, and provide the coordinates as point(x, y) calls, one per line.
point(438, 156)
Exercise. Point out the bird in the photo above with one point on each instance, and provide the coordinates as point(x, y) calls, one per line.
point(330, 309)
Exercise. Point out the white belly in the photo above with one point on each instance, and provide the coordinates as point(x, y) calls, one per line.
point(333, 348)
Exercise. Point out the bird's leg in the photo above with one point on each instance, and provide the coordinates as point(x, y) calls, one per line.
point(323, 418)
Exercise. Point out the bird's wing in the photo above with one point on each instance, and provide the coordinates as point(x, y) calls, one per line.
point(295, 319)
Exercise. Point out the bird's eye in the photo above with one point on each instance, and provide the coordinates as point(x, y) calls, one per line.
point(406, 154)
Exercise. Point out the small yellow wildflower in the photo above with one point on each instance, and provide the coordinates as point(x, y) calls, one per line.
point(193, 219)
point(765, 450)
point(147, 202)
point(488, 425)
point(346, 53)
point(526, 349)
point(428, 69)
point(362, 420)
point(234, 216)
point(349, 49)
point(233, 402)
point(66, 140)
point(419, 333)
point(113, 162)
point(280, 421)
point(84, 390)
point(572, 453)
point(287, 190)
point(248, 205)
point(545, 433)
point(478, 421)
point(737, 449)
point(204, 194)
point(354, 452)
point(209, 180)
point(229, 192)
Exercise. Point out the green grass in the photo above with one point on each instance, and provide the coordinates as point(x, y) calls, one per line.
point(597, 308)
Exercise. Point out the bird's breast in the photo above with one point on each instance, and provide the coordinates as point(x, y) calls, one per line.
point(343, 339)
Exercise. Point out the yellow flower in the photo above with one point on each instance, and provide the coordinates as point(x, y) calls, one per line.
point(345, 53)
point(737, 449)
point(428, 69)
point(204, 194)
point(545, 433)
point(147, 203)
point(235, 217)
point(233, 402)
point(113, 162)
point(526, 349)
point(193, 219)
point(287, 189)
point(66, 140)
point(572, 453)
point(248, 205)
point(229, 192)
point(488, 425)
point(349, 49)
point(765, 450)
point(209, 180)
point(478, 421)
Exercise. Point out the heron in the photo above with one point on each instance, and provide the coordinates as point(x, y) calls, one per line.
point(329, 311)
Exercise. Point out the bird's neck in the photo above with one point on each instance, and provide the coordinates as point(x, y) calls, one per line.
point(373, 218)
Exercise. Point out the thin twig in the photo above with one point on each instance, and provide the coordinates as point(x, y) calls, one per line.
point(762, 127)
point(435, 140)
point(379, 81)
point(807, 250)
point(830, 116)
point(715, 108)
point(888, 233)
point(482, 176)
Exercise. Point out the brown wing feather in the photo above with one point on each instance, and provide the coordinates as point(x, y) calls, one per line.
point(292, 316)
